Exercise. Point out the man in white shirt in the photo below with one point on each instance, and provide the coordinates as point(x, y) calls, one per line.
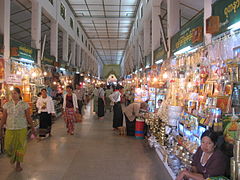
point(46, 110)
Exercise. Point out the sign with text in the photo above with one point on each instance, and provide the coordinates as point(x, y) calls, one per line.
point(47, 59)
point(160, 53)
point(228, 12)
point(184, 37)
point(20, 50)
point(14, 79)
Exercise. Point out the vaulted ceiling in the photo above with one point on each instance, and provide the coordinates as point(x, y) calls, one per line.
point(107, 23)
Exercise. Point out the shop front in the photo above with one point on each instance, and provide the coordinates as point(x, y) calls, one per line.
point(200, 84)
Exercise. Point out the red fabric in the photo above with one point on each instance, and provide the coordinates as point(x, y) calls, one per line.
point(69, 117)
point(69, 101)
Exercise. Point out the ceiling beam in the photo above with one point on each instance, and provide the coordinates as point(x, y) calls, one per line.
point(105, 18)
point(190, 7)
point(108, 39)
point(108, 49)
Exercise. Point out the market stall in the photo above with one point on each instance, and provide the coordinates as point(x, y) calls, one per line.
point(202, 91)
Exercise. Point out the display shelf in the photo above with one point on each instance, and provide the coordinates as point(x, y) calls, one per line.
point(165, 164)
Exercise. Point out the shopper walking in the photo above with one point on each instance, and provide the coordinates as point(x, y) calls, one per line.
point(70, 107)
point(101, 102)
point(95, 100)
point(16, 116)
point(108, 100)
point(46, 111)
point(117, 109)
point(80, 91)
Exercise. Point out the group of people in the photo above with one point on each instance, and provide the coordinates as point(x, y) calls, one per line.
point(17, 118)
point(112, 98)
point(208, 161)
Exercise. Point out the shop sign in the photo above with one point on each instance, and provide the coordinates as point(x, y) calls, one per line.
point(19, 50)
point(160, 53)
point(228, 12)
point(63, 64)
point(47, 59)
point(1, 69)
point(14, 79)
point(184, 37)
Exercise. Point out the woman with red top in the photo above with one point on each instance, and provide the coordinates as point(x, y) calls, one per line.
point(70, 107)
point(208, 161)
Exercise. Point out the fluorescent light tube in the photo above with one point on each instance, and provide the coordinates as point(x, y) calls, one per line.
point(184, 50)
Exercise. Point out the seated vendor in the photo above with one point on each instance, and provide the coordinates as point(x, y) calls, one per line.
point(208, 161)
point(131, 112)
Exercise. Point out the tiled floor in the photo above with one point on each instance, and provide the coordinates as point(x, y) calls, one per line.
point(95, 152)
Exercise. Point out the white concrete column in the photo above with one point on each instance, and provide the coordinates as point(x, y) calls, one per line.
point(76, 55)
point(65, 46)
point(79, 56)
point(207, 14)
point(73, 50)
point(173, 16)
point(147, 47)
point(5, 26)
point(5, 31)
point(54, 39)
point(156, 33)
point(82, 61)
point(36, 28)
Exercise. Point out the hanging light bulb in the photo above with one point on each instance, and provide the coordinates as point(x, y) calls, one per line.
point(34, 74)
point(18, 73)
point(165, 75)
point(45, 73)
point(154, 79)
point(11, 88)
point(54, 83)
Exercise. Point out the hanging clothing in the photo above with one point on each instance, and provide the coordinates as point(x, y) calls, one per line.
point(117, 109)
point(101, 95)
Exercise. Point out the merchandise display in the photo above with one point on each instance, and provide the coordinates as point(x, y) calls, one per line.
point(200, 91)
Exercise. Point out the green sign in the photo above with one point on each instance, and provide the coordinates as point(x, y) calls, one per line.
point(228, 12)
point(47, 59)
point(63, 64)
point(20, 50)
point(183, 38)
point(160, 53)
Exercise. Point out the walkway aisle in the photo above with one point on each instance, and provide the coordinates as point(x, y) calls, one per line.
point(93, 153)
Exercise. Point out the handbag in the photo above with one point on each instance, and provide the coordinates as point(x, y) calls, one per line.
point(78, 118)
